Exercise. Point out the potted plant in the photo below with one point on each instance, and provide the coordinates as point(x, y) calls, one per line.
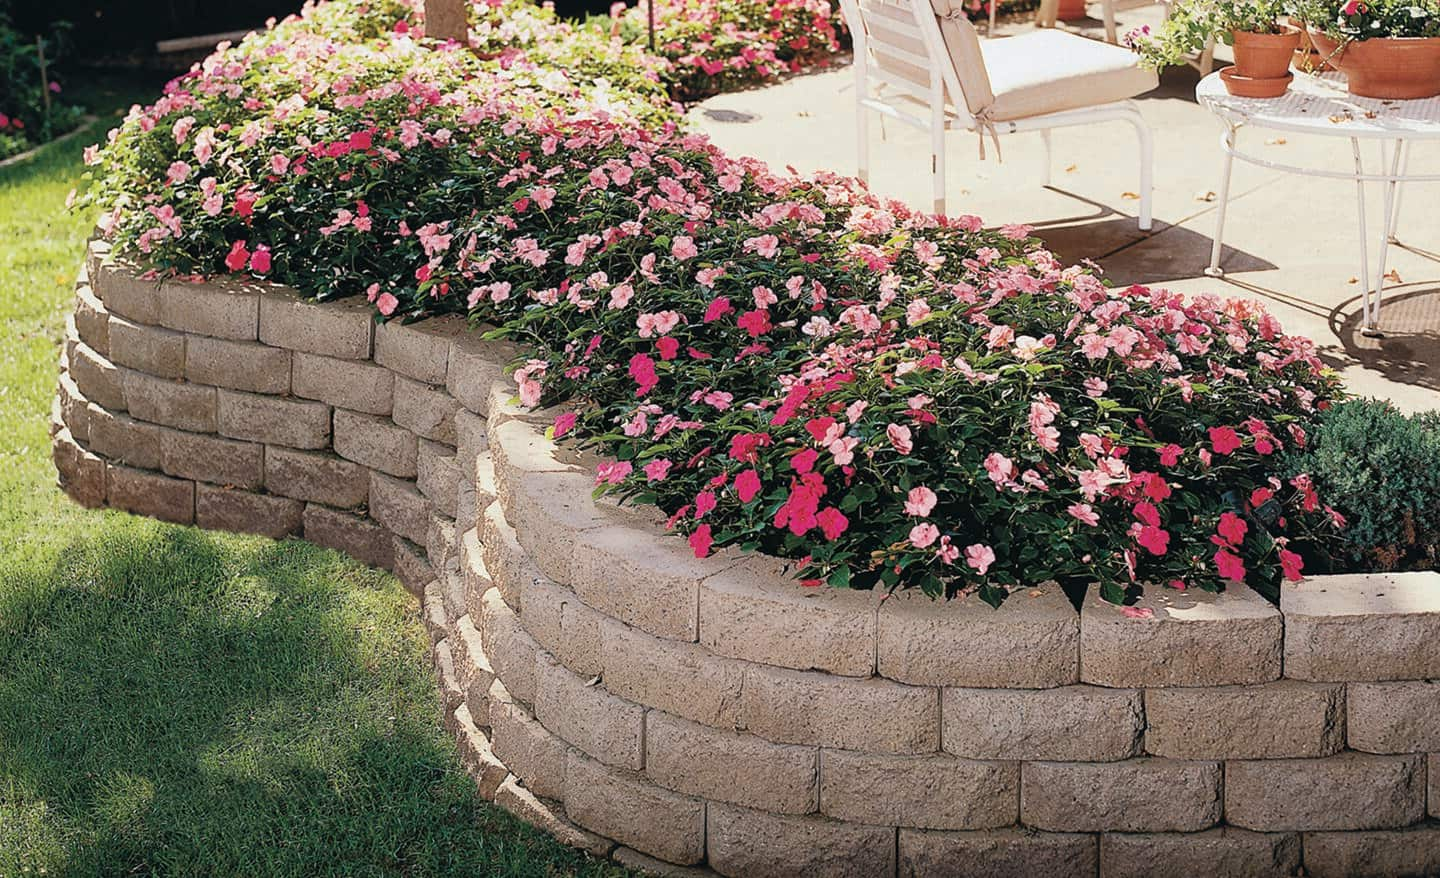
point(1264, 45)
point(1386, 48)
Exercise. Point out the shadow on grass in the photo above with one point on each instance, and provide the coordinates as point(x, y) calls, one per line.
point(177, 702)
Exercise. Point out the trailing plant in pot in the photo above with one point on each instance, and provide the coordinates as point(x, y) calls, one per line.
point(1386, 48)
point(1264, 45)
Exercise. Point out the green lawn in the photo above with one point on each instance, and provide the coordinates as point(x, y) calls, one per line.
point(181, 702)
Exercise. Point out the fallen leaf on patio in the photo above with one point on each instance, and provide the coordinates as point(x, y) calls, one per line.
point(1129, 196)
point(1138, 612)
point(1070, 169)
point(1275, 141)
point(1393, 276)
point(1342, 117)
point(1353, 280)
point(1206, 195)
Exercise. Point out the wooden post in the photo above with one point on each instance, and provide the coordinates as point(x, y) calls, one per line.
point(445, 20)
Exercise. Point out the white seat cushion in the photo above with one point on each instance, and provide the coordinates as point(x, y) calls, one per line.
point(1049, 71)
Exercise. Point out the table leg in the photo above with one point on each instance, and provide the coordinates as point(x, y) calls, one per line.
point(1399, 189)
point(1367, 326)
point(1227, 145)
point(1371, 325)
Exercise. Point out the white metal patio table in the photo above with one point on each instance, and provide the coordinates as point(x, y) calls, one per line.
point(1319, 105)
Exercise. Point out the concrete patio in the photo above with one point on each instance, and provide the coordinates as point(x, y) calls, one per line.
point(1291, 242)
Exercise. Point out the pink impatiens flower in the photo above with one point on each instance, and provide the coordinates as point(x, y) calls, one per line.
point(1084, 513)
point(701, 541)
point(899, 436)
point(980, 557)
point(657, 469)
point(1229, 566)
point(920, 501)
point(923, 535)
point(238, 256)
point(1224, 440)
point(747, 485)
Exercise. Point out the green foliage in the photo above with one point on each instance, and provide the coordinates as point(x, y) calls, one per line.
point(31, 110)
point(1381, 470)
point(1346, 20)
point(1193, 23)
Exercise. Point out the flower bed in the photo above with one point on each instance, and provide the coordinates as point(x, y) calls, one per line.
point(799, 367)
point(644, 704)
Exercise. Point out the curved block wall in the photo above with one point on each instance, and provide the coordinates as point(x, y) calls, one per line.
point(643, 704)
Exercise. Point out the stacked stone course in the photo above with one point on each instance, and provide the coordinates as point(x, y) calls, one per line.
point(688, 716)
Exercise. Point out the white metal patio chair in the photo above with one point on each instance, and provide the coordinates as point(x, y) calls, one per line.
point(938, 76)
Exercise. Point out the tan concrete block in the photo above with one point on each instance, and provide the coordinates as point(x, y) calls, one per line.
point(1278, 720)
point(150, 494)
point(221, 307)
point(754, 611)
point(99, 379)
point(342, 328)
point(966, 642)
point(82, 475)
point(730, 766)
point(417, 350)
point(511, 650)
point(1224, 851)
point(450, 695)
point(1380, 854)
point(532, 752)
point(624, 807)
point(1347, 791)
point(486, 490)
point(424, 410)
point(171, 403)
point(121, 439)
point(348, 384)
point(807, 707)
point(467, 514)
point(358, 537)
point(438, 475)
point(1365, 627)
point(547, 510)
point(524, 805)
point(755, 844)
point(228, 509)
point(432, 611)
point(237, 365)
point(648, 865)
point(923, 792)
point(316, 476)
point(472, 668)
point(472, 436)
point(544, 604)
point(476, 755)
point(442, 545)
point(74, 408)
point(1136, 795)
point(647, 580)
point(1193, 638)
point(399, 507)
point(376, 443)
point(1041, 724)
point(154, 351)
point(582, 645)
point(274, 421)
point(679, 678)
point(509, 567)
point(997, 853)
point(212, 459)
point(119, 285)
point(475, 365)
point(411, 566)
point(92, 321)
point(604, 726)
point(472, 568)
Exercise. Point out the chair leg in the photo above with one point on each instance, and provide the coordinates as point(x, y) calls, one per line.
point(862, 142)
point(1207, 57)
point(1147, 167)
point(1107, 8)
point(1049, 162)
point(1048, 14)
point(937, 165)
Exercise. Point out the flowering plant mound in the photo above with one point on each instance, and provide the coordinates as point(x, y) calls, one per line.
point(718, 45)
point(892, 398)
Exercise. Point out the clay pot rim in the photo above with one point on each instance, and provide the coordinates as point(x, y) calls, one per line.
point(1287, 30)
point(1230, 71)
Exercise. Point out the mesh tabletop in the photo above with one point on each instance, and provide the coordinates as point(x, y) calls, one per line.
point(1319, 104)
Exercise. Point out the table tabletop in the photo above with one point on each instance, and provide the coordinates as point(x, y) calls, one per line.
point(1319, 104)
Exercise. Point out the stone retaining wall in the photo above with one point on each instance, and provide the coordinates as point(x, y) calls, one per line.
point(643, 704)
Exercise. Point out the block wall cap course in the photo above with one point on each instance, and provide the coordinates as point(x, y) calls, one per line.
point(1366, 627)
point(1193, 638)
point(964, 642)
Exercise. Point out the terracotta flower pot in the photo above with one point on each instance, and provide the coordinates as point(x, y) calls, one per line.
point(1307, 57)
point(1242, 86)
point(1265, 56)
point(1392, 68)
point(1071, 10)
